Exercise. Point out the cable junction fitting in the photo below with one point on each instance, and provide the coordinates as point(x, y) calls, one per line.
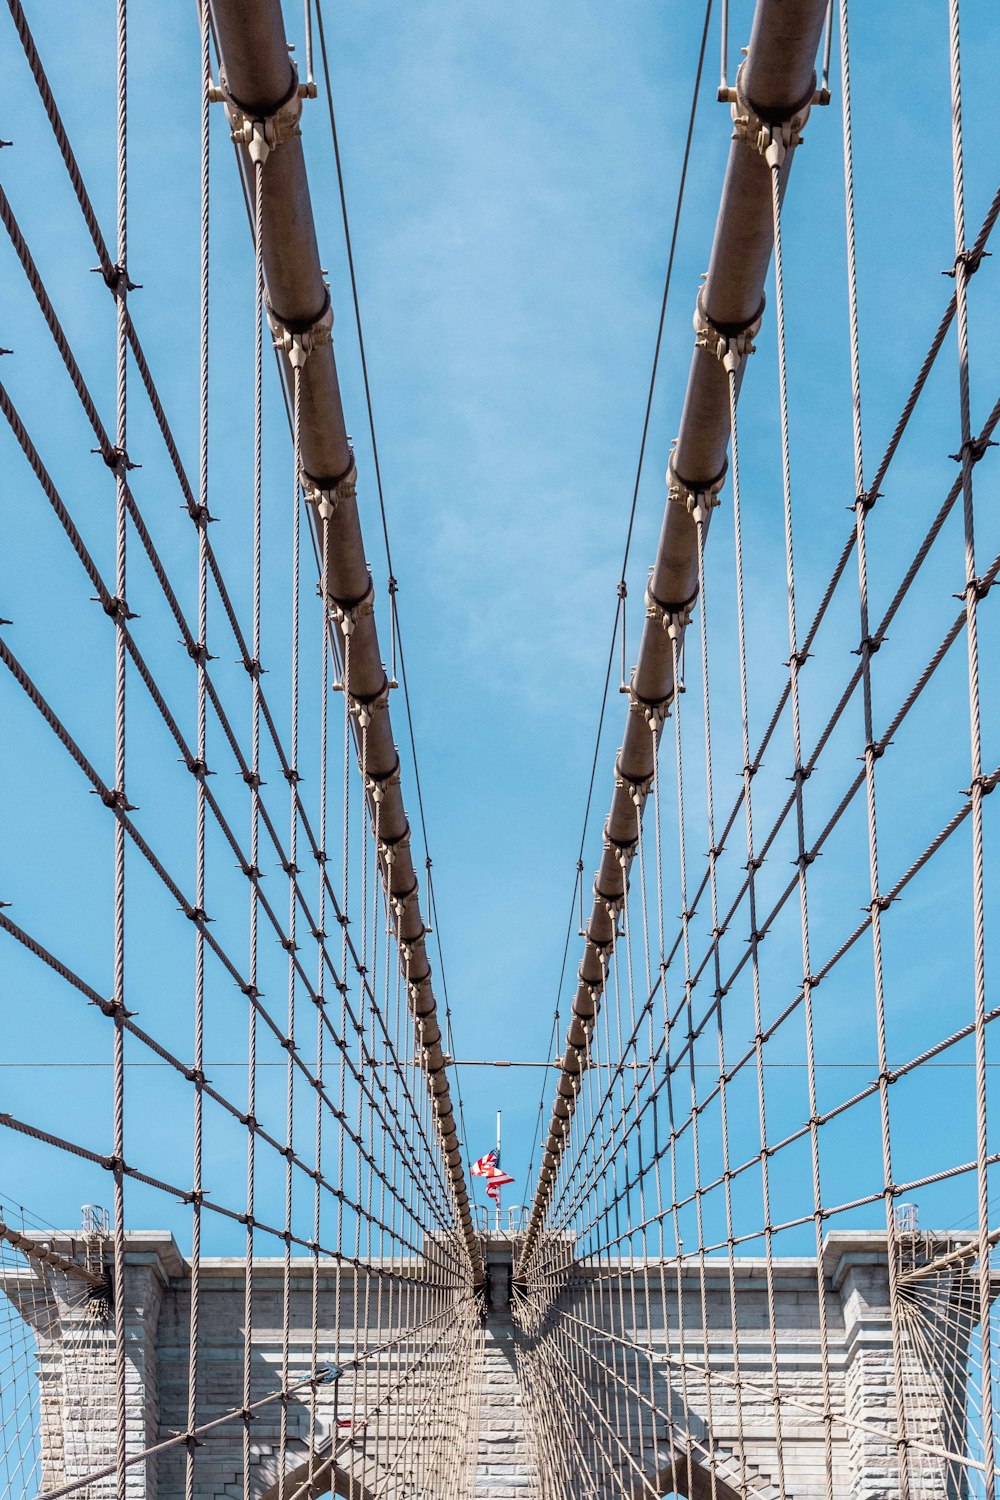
point(637, 787)
point(299, 343)
point(327, 498)
point(375, 785)
point(673, 618)
point(393, 847)
point(348, 615)
point(655, 712)
point(363, 708)
point(697, 500)
point(772, 138)
point(730, 343)
point(260, 134)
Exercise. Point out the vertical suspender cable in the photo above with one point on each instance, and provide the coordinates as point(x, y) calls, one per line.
point(258, 422)
point(121, 618)
point(293, 844)
point(775, 157)
point(977, 784)
point(871, 753)
point(201, 769)
point(748, 772)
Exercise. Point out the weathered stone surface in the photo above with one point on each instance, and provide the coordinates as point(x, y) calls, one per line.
point(668, 1421)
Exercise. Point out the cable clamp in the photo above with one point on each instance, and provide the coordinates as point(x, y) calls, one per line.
point(363, 708)
point(260, 134)
point(348, 615)
point(655, 711)
point(729, 342)
point(972, 449)
point(772, 138)
point(636, 786)
point(612, 906)
point(116, 608)
point(299, 343)
point(623, 852)
point(116, 800)
point(970, 259)
point(673, 618)
point(697, 500)
point(328, 498)
point(400, 898)
point(978, 588)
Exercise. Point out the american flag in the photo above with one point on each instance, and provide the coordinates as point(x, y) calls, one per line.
point(488, 1166)
point(497, 1180)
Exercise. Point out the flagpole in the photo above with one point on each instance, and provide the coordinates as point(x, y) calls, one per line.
point(498, 1163)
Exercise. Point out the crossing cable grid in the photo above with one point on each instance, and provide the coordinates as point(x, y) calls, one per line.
point(369, 1193)
point(647, 1362)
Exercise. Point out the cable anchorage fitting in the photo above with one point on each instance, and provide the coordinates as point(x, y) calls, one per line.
point(260, 134)
point(328, 498)
point(299, 343)
point(730, 343)
point(772, 138)
point(697, 500)
point(347, 616)
point(673, 618)
point(637, 787)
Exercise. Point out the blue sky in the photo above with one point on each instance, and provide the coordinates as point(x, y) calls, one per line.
point(511, 174)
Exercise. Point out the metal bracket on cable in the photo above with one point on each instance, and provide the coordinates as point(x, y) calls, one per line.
point(260, 134)
point(730, 343)
point(673, 618)
point(327, 498)
point(375, 787)
point(772, 138)
point(656, 713)
point(398, 899)
point(299, 343)
point(637, 787)
point(348, 615)
point(612, 906)
point(697, 498)
point(363, 708)
point(389, 848)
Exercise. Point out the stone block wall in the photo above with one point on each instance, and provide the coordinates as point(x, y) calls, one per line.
point(609, 1389)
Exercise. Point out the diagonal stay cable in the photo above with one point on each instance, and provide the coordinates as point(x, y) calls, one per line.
point(107, 451)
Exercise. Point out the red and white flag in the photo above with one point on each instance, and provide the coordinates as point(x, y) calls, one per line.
point(488, 1166)
point(497, 1180)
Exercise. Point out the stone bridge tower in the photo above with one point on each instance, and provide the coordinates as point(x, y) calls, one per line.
point(505, 1455)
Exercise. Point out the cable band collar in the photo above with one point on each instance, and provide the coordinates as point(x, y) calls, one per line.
point(299, 342)
point(673, 618)
point(772, 133)
point(328, 497)
point(261, 134)
point(730, 343)
point(637, 787)
point(348, 615)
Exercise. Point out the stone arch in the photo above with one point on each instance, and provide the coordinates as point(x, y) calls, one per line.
point(327, 1478)
point(694, 1483)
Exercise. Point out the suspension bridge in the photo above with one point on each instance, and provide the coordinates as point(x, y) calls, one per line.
point(757, 1256)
